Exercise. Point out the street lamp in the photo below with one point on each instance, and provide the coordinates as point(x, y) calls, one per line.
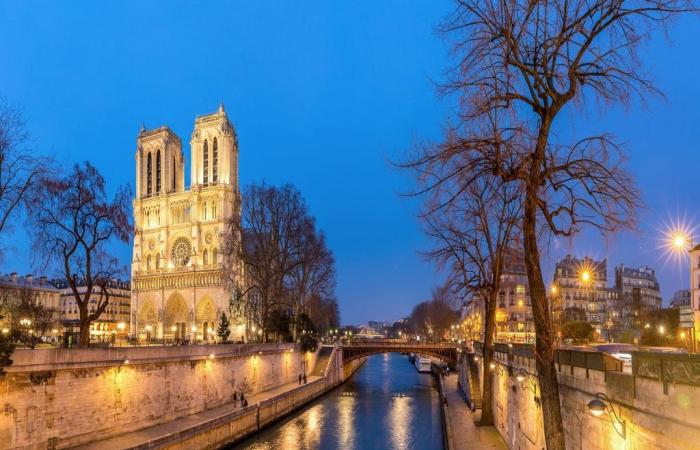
point(597, 407)
point(121, 326)
point(585, 276)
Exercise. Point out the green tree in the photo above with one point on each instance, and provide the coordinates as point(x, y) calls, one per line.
point(279, 324)
point(308, 343)
point(223, 331)
point(577, 330)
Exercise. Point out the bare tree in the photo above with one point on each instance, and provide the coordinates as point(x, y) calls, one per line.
point(19, 169)
point(271, 223)
point(312, 275)
point(72, 224)
point(434, 317)
point(519, 65)
point(473, 235)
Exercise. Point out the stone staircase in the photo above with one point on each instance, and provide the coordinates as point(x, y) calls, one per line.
point(474, 385)
point(324, 355)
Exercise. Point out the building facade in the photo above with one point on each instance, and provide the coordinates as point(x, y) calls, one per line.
point(179, 287)
point(580, 292)
point(42, 290)
point(107, 327)
point(695, 293)
point(514, 322)
point(639, 294)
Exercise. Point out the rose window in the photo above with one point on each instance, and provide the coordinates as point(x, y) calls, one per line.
point(182, 249)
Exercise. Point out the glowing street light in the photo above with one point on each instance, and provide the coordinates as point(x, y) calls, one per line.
point(680, 241)
point(553, 289)
point(585, 276)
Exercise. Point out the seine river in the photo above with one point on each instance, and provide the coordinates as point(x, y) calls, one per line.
point(386, 404)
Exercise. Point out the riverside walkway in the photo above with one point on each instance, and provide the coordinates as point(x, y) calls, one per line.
point(464, 434)
point(146, 437)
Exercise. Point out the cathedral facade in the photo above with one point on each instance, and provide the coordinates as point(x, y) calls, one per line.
point(179, 283)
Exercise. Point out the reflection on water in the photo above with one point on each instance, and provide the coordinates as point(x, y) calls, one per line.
point(387, 404)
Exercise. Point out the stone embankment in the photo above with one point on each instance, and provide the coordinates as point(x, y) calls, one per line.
point(67, 398)
point(656, 402)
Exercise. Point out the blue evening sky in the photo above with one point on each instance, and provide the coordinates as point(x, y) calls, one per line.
point(322, 95)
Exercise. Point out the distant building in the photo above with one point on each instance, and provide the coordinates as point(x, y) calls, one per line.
point(639, 294)
point(695, 293)
point(44, 292)
point(680, 298)
point(105, 328)
point(681, 301)
point(513, 311)
point(379, 327)
point(580, 292)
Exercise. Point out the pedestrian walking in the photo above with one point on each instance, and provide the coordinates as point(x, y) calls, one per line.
point(299, 379)
point(235, 398)
point(304, 378)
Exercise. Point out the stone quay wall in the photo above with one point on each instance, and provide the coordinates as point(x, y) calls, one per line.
point(241, 423)
point(65, 397)
point(658, 414)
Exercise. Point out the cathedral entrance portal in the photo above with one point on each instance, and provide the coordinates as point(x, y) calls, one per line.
point(175, 318)
point(205, 317)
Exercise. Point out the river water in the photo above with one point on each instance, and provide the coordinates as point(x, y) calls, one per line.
point(386, 404)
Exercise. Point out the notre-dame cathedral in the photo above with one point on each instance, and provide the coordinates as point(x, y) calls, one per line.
point(179, 288)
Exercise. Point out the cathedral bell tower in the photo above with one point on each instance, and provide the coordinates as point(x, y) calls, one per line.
point(214, 151)
point(160, 167)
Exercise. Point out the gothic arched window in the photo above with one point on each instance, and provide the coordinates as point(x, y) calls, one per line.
point(215, 157)
point(148, 263)
point(174, 173)
point(158, 172)
point(205, 163)
point(149, 174)
point(213, 256)
point(206, 257)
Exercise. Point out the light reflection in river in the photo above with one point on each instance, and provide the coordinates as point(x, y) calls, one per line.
point(386, 404)
point(399, 420)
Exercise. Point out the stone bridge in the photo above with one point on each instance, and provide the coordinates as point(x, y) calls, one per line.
point(360, 349)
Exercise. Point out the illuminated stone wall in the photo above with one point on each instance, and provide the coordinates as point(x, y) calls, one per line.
point(653, 419)
point(67, 397)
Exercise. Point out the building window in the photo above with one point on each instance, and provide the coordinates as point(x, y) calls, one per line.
point(213, 256)
point(148, 263)
point(206, 257)
point(158, 172)
point(215, 157)
point(174, 173)
point(149, 174)
point(205, 163)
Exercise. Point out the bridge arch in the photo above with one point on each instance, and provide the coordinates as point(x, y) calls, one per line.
point(447, 353)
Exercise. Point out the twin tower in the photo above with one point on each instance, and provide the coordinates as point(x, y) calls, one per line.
point(179, 288)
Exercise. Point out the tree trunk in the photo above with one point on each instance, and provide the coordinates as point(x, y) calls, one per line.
point(84, 336)
point(544, 334)
point(489, 331)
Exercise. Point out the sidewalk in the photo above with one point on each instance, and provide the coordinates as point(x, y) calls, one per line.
point(140, 437)
point(466, 435)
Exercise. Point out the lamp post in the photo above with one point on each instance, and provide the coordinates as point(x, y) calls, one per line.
point(121, 326)
point(597, 406)
point(679, 241)
point(26, 323)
